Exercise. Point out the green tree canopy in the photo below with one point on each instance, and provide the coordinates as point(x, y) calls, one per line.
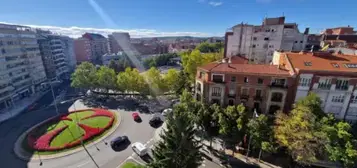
point(130, 80)
point(210, 47)
point(171, 80)
point(106, 78)
point(178, 147)
point(85, 76)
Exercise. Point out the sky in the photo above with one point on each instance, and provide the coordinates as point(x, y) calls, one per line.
point(147, 18)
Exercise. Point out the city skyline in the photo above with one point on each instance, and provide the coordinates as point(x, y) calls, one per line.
point(187, 18)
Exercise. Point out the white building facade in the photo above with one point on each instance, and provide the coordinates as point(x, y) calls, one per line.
point(258, 42)
point(21, 67)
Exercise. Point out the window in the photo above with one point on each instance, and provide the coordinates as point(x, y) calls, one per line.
point(245, 79)
point(233, 79)
point(254, 38)
point(300, 41)
point(277, 97)
point(201, 74)
point(244, 91)
point(272, 30)
point(267, 30)
point(304, 81)
point(338, 99)
point(354, 99)
point(278, 82)
point(324, 83)
point(266, 38)
point(296, 41)
point(217, 78)
point(198, 87)
point(230, 102)
point(216, 91)
point(260, 81)
point(271, 46)
point(253, 46)
point(258, 93)
point(342, 84)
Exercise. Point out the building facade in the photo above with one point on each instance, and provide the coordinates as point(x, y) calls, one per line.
point(21, 69)
point(68, 51)
point(258, 42)
point(116, 40)
point(106, 58)
point(82, 50)
point(339, 31)
point(53, 56)
point(290, 77)
point(98, 46)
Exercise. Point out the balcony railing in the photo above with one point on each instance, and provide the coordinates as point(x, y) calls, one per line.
point(324, 86)
point(342, 87)
point(216, 94)
point(277, 84)
point(231, 95)
point(244, 96)
point(218, 81)
point(276, 99)
point(258, 98)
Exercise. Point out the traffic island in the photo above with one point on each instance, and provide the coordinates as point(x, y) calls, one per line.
point(63, 135)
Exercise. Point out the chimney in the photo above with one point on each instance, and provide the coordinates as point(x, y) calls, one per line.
point(307, 30)
point(223, 60)
point(229, 60)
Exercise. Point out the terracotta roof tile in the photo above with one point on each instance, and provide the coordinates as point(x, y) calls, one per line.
point(256, 69)
point(323, 61)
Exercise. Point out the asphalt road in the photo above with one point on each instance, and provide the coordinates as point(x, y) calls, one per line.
point(103, 154)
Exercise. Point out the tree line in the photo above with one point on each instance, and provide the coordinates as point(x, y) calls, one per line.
point(160, 60)
point(306, 134)
point(151, 82)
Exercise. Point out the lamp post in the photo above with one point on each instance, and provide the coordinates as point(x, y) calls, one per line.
point(255, 115)
point(53, 93)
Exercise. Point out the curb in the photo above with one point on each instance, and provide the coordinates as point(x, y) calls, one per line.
point(20, 153)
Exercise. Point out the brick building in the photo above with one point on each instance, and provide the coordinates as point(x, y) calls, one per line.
point(291, 76)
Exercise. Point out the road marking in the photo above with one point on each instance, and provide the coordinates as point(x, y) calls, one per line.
point(80, 165)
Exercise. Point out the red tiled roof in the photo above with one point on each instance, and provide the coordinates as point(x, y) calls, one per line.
point(255, 69)
point(323, 61)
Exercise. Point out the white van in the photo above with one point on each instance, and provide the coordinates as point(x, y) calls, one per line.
point(139, 148)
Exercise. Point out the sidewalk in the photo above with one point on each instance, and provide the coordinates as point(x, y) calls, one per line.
point(251, 160)
point(20, 106)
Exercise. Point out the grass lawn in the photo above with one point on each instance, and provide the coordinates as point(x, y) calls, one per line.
point(80, 115)
point(72, 133)
point(130, 165)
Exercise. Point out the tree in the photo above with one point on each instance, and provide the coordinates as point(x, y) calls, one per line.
point(171, 79)
point(232, 122)
point(130, 80)
point(114, 65)
point(156, 82)
point(210, 47)
point(106, 78)
point(160, 60)
point(341, 146)
point(178, 148)
point(261, 133)
point(84, 76)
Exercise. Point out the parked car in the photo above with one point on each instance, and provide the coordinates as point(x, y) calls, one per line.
point(166, 111)
point(136, 116)
point(156, 120)
point(115, 143)
point(139, 148)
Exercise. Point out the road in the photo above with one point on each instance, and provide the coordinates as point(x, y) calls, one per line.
point(103, 155)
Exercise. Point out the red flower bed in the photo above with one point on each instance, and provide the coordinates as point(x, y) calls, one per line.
point(43, 142)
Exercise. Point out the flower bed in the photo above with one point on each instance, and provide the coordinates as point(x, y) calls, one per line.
point(59, 129)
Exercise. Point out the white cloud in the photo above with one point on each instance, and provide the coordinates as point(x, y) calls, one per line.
point(214, 3)
point(75, 32)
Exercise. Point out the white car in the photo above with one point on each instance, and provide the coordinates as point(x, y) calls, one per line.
point(139, 148)
point(166, 111)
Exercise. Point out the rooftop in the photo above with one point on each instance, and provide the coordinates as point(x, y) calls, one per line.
point(322, 61)
point(253, 69)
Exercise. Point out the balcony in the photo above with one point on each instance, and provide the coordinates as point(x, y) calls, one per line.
point(230, 95)
point(218, 81)
point(244, 96)
point(342, 87)
point(324, 86)
point(276, 99)
point(216, 94)
point(278, 85)
point(258, 98)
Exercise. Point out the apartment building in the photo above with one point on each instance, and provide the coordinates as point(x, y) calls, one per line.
point(21, 68)
point(68, 51)
point(116, 40)
point(290, 77)
point(258, 42)
point(232, 81)
point(98, 46)
point(339, 31)
point(82, 50)
point(332, 76)
point(53, 56)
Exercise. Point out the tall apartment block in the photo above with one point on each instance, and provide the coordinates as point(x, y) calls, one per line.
point(82, 50)
point(68, 51)
point(21, 67)
point(258, 42)
point(98, 46)
point(52, 55)
point(116, 41)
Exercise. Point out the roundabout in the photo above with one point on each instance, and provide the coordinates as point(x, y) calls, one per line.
point(62, 135)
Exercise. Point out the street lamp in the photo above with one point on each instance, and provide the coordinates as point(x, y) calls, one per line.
point(53, 93)
point(255, 115)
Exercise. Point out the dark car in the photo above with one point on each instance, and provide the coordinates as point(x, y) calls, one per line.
point(155, 121)
point(115, 143)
